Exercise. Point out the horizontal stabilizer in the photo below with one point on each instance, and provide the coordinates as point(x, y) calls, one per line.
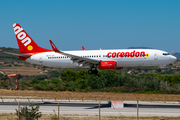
point(16, 54)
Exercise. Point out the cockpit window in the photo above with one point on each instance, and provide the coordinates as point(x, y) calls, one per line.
point(166, 54)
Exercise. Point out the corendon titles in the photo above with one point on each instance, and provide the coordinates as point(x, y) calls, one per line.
point(125, 54)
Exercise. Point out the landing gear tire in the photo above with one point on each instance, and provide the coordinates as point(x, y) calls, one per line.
point(159, 70)
point(90, 71)
point(95, 71)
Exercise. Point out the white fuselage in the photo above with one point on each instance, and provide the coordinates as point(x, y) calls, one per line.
point(152, 57)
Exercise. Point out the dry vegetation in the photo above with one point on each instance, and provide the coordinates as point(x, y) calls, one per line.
point(21, 69)
point(50, 117)
point(88, 96)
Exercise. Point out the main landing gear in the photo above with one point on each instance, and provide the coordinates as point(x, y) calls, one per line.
point(91, 71)
point(159, 70)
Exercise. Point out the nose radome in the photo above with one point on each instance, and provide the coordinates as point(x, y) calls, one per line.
point(173, 58)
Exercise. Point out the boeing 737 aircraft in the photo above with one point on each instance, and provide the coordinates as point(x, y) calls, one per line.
point(113, 59)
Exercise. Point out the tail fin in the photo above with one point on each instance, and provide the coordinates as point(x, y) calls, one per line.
point(83, 48)
point(25, 42)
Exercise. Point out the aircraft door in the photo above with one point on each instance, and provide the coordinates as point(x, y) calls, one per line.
point(155, 55)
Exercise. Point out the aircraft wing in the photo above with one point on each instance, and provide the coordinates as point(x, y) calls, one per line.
point(75, 58)
point(22, 55)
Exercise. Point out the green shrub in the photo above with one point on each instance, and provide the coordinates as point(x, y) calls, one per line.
point(41, 77)
point(38, 87)
point(1, 75)
point(23, 83)
point(19, 76)
point(54, 74)
point(69, 75)
point(4, 78)
point(150, 92)
point(16, 65)
point(34, 81)
point(29, 114)
point(43, 83)
point(55, 89)
point(55, 81)
point(54, 116)
point(22, 88)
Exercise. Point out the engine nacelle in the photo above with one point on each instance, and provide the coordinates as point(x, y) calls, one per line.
point(108, 65)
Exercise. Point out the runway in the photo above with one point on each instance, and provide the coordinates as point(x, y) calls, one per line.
point(92, 108)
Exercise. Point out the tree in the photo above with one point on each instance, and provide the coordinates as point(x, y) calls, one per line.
point(33, 81)
point(55, 81)
point(54, 74)
point(41, 77)
point(1, 75)
point(4, 77)
point(29, 114)
point(69, 75)
point(19, 76)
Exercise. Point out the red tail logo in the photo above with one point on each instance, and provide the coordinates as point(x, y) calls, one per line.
point(21, 35)
point(26, 44)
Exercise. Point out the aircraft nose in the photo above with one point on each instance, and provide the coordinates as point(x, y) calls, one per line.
point(173, 58)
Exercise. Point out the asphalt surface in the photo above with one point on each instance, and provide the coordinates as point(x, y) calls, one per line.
point(93, 105)
point(92, 108)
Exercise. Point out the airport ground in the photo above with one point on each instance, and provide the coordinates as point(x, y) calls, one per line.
point(76, 110)
point(78, 105)
point(102, 96)
point(50, 117)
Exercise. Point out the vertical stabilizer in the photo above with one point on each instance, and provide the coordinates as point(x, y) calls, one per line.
point(25, 42)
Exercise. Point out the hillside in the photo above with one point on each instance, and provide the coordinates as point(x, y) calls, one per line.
point(177, 54)
point(8, 58)
point(10, 64)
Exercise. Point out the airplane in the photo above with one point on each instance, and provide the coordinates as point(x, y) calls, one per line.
point(114, 59)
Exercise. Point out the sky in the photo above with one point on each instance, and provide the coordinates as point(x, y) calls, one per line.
point(94, 24)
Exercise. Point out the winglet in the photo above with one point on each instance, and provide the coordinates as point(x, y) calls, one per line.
point(83, 48)
point(54, 47)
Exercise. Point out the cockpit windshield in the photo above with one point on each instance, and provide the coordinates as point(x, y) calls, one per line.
point(166, 54)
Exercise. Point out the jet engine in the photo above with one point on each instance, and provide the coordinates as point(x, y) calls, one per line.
point(109, 65)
